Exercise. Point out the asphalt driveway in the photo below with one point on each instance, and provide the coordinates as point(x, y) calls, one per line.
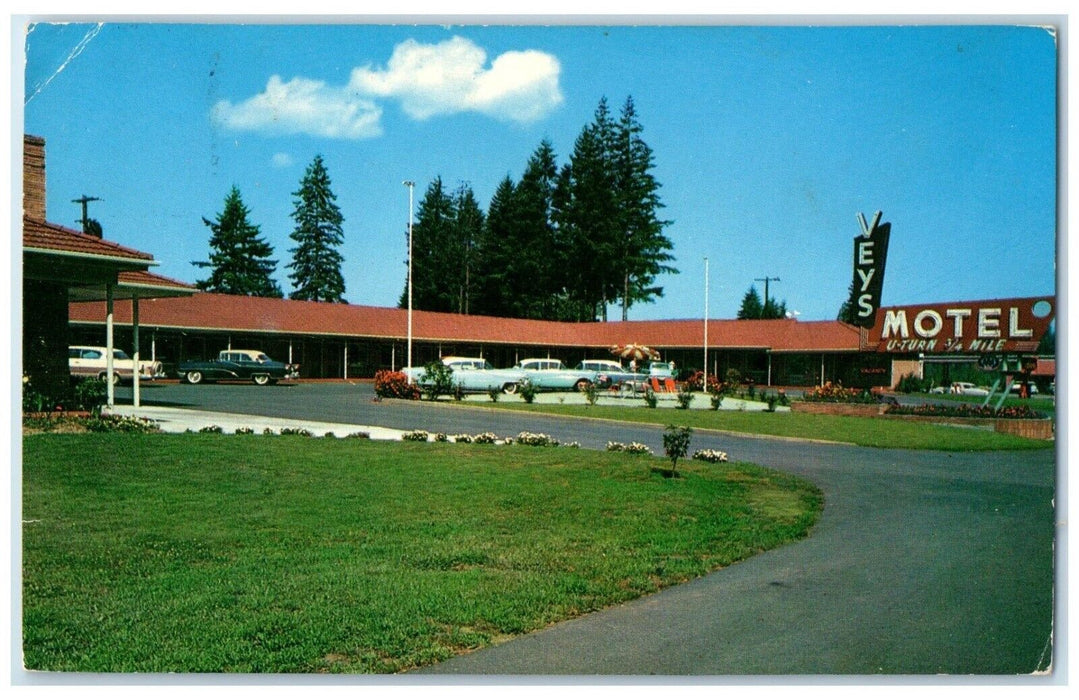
point(922, 563)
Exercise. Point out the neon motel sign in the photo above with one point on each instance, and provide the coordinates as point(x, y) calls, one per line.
point(1001, 325)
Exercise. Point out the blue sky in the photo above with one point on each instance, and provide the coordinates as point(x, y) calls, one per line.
point(768, 142)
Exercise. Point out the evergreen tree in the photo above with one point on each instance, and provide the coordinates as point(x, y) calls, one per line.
point(316, 263)
point(846, 311)
point(537, 269)
point(644, 251)
point(467, 235)
point(752, 307)
point(494, 255)
point(239, 259)
point(432, 252)
point(589, 220)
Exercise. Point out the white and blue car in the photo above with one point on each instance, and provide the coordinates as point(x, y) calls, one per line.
point(548, 374)
point(472, 374)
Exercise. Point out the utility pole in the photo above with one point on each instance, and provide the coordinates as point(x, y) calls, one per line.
point(766, 280)
point(84, 200)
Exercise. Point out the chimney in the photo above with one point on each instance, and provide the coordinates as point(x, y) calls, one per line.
point(33, 177)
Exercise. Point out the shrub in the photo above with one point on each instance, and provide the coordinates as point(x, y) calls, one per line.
point(304, 432)
point(676, 444)
point(638, 448)
point(528, 391)
point(591, 393)
point(211, 429)
point(717, 401)
point(394, 385)
point(437, 379)
point(771, 400)
point(485, 439)
point(90, 394)
point(650, 399)
point(462, 438)
point(712, 456)
point(120, 424)
point(615, 446)
point(494, 394)
point(836, 393)
point(361, 435)
point(751, 392)
point(536, 440)
point(685, 397)
point(909, 384)
point(415, 436)
point(442, 437)
point(245, 431)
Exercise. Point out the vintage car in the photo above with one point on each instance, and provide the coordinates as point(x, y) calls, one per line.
point(247, 365)
point(472, 374)
point(660, 370)
point(91, 360)
point(547, 373)
point(961, 388)
point(612, 374)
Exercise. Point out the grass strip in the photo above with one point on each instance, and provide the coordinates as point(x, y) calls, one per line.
point(286, 554)
point(866, 432)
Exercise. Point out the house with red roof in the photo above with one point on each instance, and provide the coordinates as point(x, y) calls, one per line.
point(61, 265)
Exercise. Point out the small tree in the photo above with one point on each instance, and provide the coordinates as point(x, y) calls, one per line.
point(676, 444)
point(437, 379)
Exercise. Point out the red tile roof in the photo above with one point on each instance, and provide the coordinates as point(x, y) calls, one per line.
point(142, 278)
point(41, 235)
point(206, 311)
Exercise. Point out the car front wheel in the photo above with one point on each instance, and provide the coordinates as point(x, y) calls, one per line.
point(261, 379)
point(582, 385)
point(510, 388)
point(194, 377)
point(115, 377)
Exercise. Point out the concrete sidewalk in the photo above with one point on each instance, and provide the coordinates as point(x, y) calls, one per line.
point(179, 420)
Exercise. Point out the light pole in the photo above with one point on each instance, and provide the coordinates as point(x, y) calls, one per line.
point(409, 184)
point(704, 386)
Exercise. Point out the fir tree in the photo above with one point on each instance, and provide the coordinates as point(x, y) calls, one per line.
point(316, 263)
point(239, 259)
point(467, 234)
point(432, 252)
point(752, 307)
point(644, 250)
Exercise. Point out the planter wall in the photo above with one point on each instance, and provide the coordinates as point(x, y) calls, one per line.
point(1036, 429)
point(838, 409)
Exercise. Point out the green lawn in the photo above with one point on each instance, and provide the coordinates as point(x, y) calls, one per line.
point(223, 553)
point(868, 432)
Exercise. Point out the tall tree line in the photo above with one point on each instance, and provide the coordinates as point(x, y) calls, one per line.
point(562, 243)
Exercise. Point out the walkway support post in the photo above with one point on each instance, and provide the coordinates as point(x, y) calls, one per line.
point(110, 389)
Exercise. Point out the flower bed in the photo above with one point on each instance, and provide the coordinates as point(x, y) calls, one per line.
point(835, 393)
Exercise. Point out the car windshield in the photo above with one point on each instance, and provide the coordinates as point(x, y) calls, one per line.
point(120, 355)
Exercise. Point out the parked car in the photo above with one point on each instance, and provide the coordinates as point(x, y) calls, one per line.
point(253, 365)
point(611, 374)
point(660, 370)
point(91, 361)
point(472, 374)
point(961, 388)
point(547, 373)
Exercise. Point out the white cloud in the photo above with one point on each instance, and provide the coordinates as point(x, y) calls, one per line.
point(451, 77)
point(428, 79)
point(303, 106)
point(281, 160)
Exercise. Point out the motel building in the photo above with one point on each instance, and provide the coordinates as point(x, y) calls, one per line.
point(82, 290)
